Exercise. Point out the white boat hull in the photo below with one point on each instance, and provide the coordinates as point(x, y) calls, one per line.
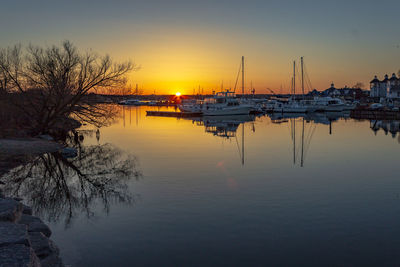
point(291, 108)
point(189, 108)
point(239, 110)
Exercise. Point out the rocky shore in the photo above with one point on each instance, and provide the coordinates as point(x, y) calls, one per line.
point(24, 238)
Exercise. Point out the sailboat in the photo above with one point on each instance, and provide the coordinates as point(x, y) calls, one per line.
point(222, 103)
point(293, 105)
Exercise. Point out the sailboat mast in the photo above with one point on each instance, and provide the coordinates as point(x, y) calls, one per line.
point(294, 78)
point(302, 76)
point(291, 87)
point(242, 76)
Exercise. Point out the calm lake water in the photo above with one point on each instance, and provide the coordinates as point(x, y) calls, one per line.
point(234, 191)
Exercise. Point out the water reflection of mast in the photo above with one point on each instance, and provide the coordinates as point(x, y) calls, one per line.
point(228, 127)
point(243, 143)
point(303, 149)
point(294, 141)
point(302, 145)
point(137, 118)
point(123, 114)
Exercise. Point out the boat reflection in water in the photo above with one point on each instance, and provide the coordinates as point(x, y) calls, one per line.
point(226, 127)
point(308, 124)
point(223, 126)
point(302, 128)
point(316, 118)
point(198, 195)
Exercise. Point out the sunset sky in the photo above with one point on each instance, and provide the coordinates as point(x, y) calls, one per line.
point(183, 44)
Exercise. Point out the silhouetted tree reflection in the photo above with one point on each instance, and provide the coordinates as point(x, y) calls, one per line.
point(57, 187)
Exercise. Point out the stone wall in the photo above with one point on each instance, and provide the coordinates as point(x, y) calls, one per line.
point(24, 239)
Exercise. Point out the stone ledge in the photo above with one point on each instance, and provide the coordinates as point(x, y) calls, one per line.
point(24, 238)
point(11, 233)
point(42, 246)
point(10, 210)
point(35, 224)
point(18, 255)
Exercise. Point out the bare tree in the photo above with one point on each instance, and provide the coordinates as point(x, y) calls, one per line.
point(51, 83)
point(358, 85)
point(56, 187)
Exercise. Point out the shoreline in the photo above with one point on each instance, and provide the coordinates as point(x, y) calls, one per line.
point(17, 151)
point(24, 238)
point(27, 146)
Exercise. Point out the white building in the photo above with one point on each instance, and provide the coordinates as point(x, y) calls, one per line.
point(387, 88)
point(394, 87)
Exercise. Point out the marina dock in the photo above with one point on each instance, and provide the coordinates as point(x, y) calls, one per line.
point(375, 114)
point(174, 114)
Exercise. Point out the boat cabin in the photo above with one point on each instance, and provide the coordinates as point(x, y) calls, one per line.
point(226, 97)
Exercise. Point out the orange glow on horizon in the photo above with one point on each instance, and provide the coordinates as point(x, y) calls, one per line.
point(178, 94)
point(190, 64)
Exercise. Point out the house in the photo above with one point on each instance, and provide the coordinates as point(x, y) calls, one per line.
point(331, 91)
point(345, 92)
point(387, 88)
point(394, 87)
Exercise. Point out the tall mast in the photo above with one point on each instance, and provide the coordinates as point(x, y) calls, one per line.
point(291, 87)
point(294, 78)
point(302, 76)
point(242, 76)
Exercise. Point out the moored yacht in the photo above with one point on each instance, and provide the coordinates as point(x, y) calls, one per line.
point(324, 104)
point(272, 105)
point(222, 103)
point(131, 102)
point(190, 105)
point(295, 105)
